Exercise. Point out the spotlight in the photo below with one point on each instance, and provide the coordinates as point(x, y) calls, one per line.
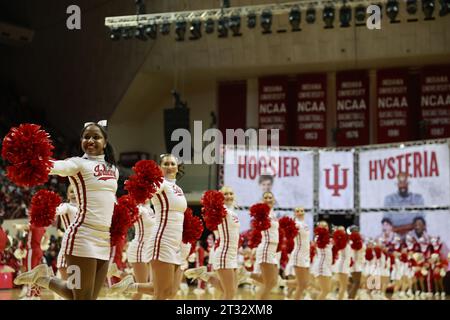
point(392, 10)
point(345, 16)
point(428, 9)
point(411, 6)
point(115, 34)
point(360, 14)
point(311, 15)
point(222, 27)
point(139, 33)
point(235, 25)
point(266, 21)
point(151, 30)
point(209, 26)
point(180, 30)
point(445, 7)
point(328, 16)
point(165, 28)
point(196, 29)
point(251, 20)
point(127, 33)
point(294, 18)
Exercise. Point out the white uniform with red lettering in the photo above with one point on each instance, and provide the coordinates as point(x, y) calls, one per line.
point(95, 185)
point(185, 250)
point(226, 253)
point(266, 252)
point(301, 253)
point(66, 213)
point(358, 259)
point(342, 264)
point(139, 248)
point(322, 261)
point(165, 241)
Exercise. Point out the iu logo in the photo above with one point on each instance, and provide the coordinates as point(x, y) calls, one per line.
point(336, 185)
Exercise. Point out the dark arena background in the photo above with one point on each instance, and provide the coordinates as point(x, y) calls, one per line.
point(337, 112)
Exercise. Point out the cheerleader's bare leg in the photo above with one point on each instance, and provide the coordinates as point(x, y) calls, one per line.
point(163, 279)
point(384, 284)
point(343, 283)
point(228, 282)
point(140, 272)
point(80, 285)
point(325, 287)
point(176, 281)
point(302, 278)
point(356, 281)
point(269, 273)
point(63, 273)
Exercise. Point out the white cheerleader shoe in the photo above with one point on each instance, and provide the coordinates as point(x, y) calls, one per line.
point(443, 296)
point(199, 291)
point(184, 288)
point(122, 286)
point(195, 273)
point(113, 271)
point(30, 277)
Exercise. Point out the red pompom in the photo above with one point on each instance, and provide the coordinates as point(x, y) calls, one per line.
point(254, 238)
point(356, 240)
point(213, 209)
point(377, 250)
point(43, 208)
point(322, 237)
point(289, 227)
point(403, 257)
point(312, 250)
point(29, 150)
point(124, 216)
point(369, 254)
point(192, 227)
point(340, 239)
point(146, 180)
point(260, 214)
point(281, 238)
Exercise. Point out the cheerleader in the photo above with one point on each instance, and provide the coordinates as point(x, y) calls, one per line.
point(342, 267)
point(86, 245)
point(300, 256)
point(165, 241)
point(357, 260)
point(266, 253)
point(225, 262)
point(138, 253)
point(321, 268)
point(66, 213)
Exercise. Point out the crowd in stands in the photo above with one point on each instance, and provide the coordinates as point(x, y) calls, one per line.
point(14, 110)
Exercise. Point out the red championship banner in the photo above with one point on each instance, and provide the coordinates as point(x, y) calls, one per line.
point(311, 110)
point(272, 102)
point(393, 107)
point(352, 103)
point(435, 101)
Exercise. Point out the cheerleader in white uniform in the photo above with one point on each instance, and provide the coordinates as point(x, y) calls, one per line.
point(342, 268)
point(66, 213)
point(166, 237)
point(225, 256)
point(358, 250)
point(86, 244)
point(322, 264)
point(266, 253)
point(300, 256)
point(138, 252)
